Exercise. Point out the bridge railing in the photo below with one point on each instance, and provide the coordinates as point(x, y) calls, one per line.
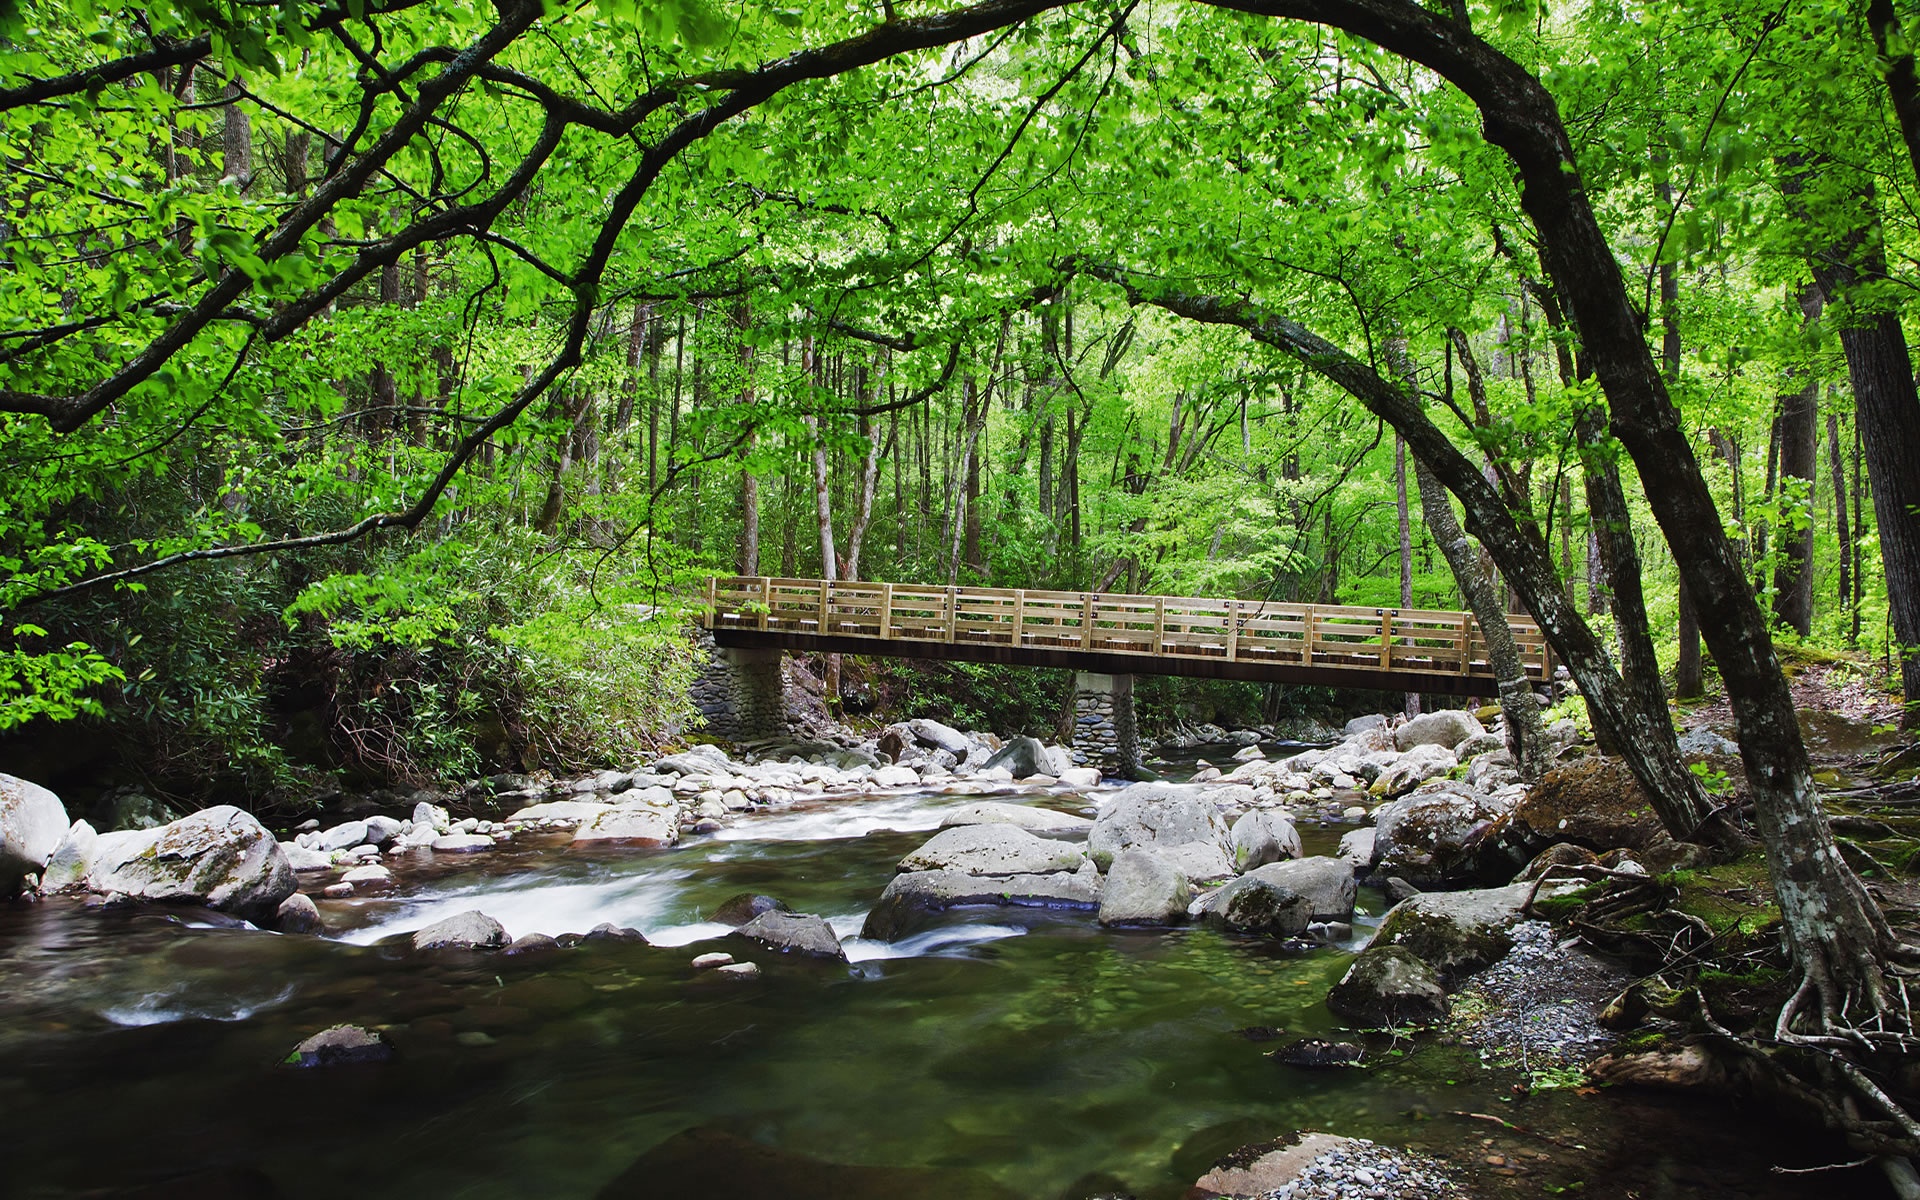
point(1320, 635)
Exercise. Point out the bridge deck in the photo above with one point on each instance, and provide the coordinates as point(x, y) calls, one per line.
point(1394, 649)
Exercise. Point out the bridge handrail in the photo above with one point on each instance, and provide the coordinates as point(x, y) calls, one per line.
point(1317, 635)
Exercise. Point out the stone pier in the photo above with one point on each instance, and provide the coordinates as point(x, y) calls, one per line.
point(1103, 723)
point(740, 692)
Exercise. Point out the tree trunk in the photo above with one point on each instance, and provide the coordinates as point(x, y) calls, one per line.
point(749, 482)
point(1645, 737)
point(236, 140)
point(1841, 530)
point(1411, 701)
point(1799, 446)
point(1526, 739)
point(869, 478)
point(1887, 414)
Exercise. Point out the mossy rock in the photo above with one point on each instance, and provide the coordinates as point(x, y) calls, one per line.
point(1594, 803)
point(1455, 933)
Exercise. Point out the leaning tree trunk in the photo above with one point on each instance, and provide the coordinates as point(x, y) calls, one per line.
point(1646, 740)
point(1839, 938)
point(1526, 738)
point(1412, 701)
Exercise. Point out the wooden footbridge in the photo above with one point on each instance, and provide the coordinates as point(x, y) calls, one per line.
point(1392, 649)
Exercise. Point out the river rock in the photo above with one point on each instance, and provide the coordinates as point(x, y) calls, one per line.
point(894, 742)
point(472, 930)
point(1447, 727)
point(1251, 904)
point(1326, 882)
point(462, 843)
point(993, 850)
point(298, 914)
point(343, 835)
point(219, 857)
point(67, 868)
point(940, 737)
point(33, 823)
point(1260, 837)
point(1177, 821)
point(1439, 834)
point(381, 831)
point(1595, 803)
point(1411, 769)
point(740, 909)
point(1080, 777)
point(607, 931)
point(794, 933)
point(1318, 1052)
point(1389, 985)
point(371, 875)
point(895, 777)
point(1024, 816)
point(1360, 725)
point(558, 810)
point(341, 1045)
point(1143, 888)
point(1357, 847)
point(908, 899)
point(1455, 933)
point(432, 816)
point(1689, 1067)
point(646, 826)
point(1026, 756)
point(302, 859)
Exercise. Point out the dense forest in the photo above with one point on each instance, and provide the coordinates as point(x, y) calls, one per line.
point(357, 426)
point(381, 379)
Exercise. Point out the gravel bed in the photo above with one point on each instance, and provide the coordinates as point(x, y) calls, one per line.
point(1539, 1005)
point(1362, 1170)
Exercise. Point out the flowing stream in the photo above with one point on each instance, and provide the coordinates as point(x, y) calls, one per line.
point(1024, 1052)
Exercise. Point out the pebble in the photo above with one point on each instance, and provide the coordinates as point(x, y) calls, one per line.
point(1360, 1168)
point(1544, 997)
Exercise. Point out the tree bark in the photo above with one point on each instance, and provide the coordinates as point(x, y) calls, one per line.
point(1799, 447)
point(1411, 701)
point(1841, 530)
point(749, 482)
point(1887, 414)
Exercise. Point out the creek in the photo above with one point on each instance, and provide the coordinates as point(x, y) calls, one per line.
point(1020, 1051)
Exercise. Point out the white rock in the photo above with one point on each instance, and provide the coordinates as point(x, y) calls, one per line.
point(462, 843)
point(302, 859)
point(373, 874)
point(33, 823)
point(343, 835)
point(67, 868)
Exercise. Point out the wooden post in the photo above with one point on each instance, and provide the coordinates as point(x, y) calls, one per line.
point(1233, 630)
point(1086, 620)
point(1466, 645)
point(886, 610)
point(1306, 635)
point(1546, 658)
point(711, 618)
point(1019, 615)
point(1159, 624)
point(766, 600)
point(1386, 638)
point(824, 585)
point(953, 611)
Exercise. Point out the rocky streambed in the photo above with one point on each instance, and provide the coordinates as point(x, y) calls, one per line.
point(953, 983)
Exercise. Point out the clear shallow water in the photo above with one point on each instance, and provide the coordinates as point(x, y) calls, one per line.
point(1009, 1052)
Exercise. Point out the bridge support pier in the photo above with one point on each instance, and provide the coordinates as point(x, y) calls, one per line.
point(741, 692)
point(1103, 727)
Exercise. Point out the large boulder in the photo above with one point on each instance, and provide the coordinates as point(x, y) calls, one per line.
point(33, 823)
point(793, 933)
point(472, 930)
point(1025, 816)
point(1327, 883)
point(68, 867)
point(343, 836)
point(645, 826)
point(1389, 985)
point(1593, 802)
point(1455, 933)
point(1252, 904)
point(1447, 727)
point(559, 811)
point(1440, 835)
point(936, 736)
point(909, 899)
point(1407, 771)
point(219, 857)
point(1180, 822)
point(1260, 837)
point(1025, 756)
point(1144, 889)
point(993, 850)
